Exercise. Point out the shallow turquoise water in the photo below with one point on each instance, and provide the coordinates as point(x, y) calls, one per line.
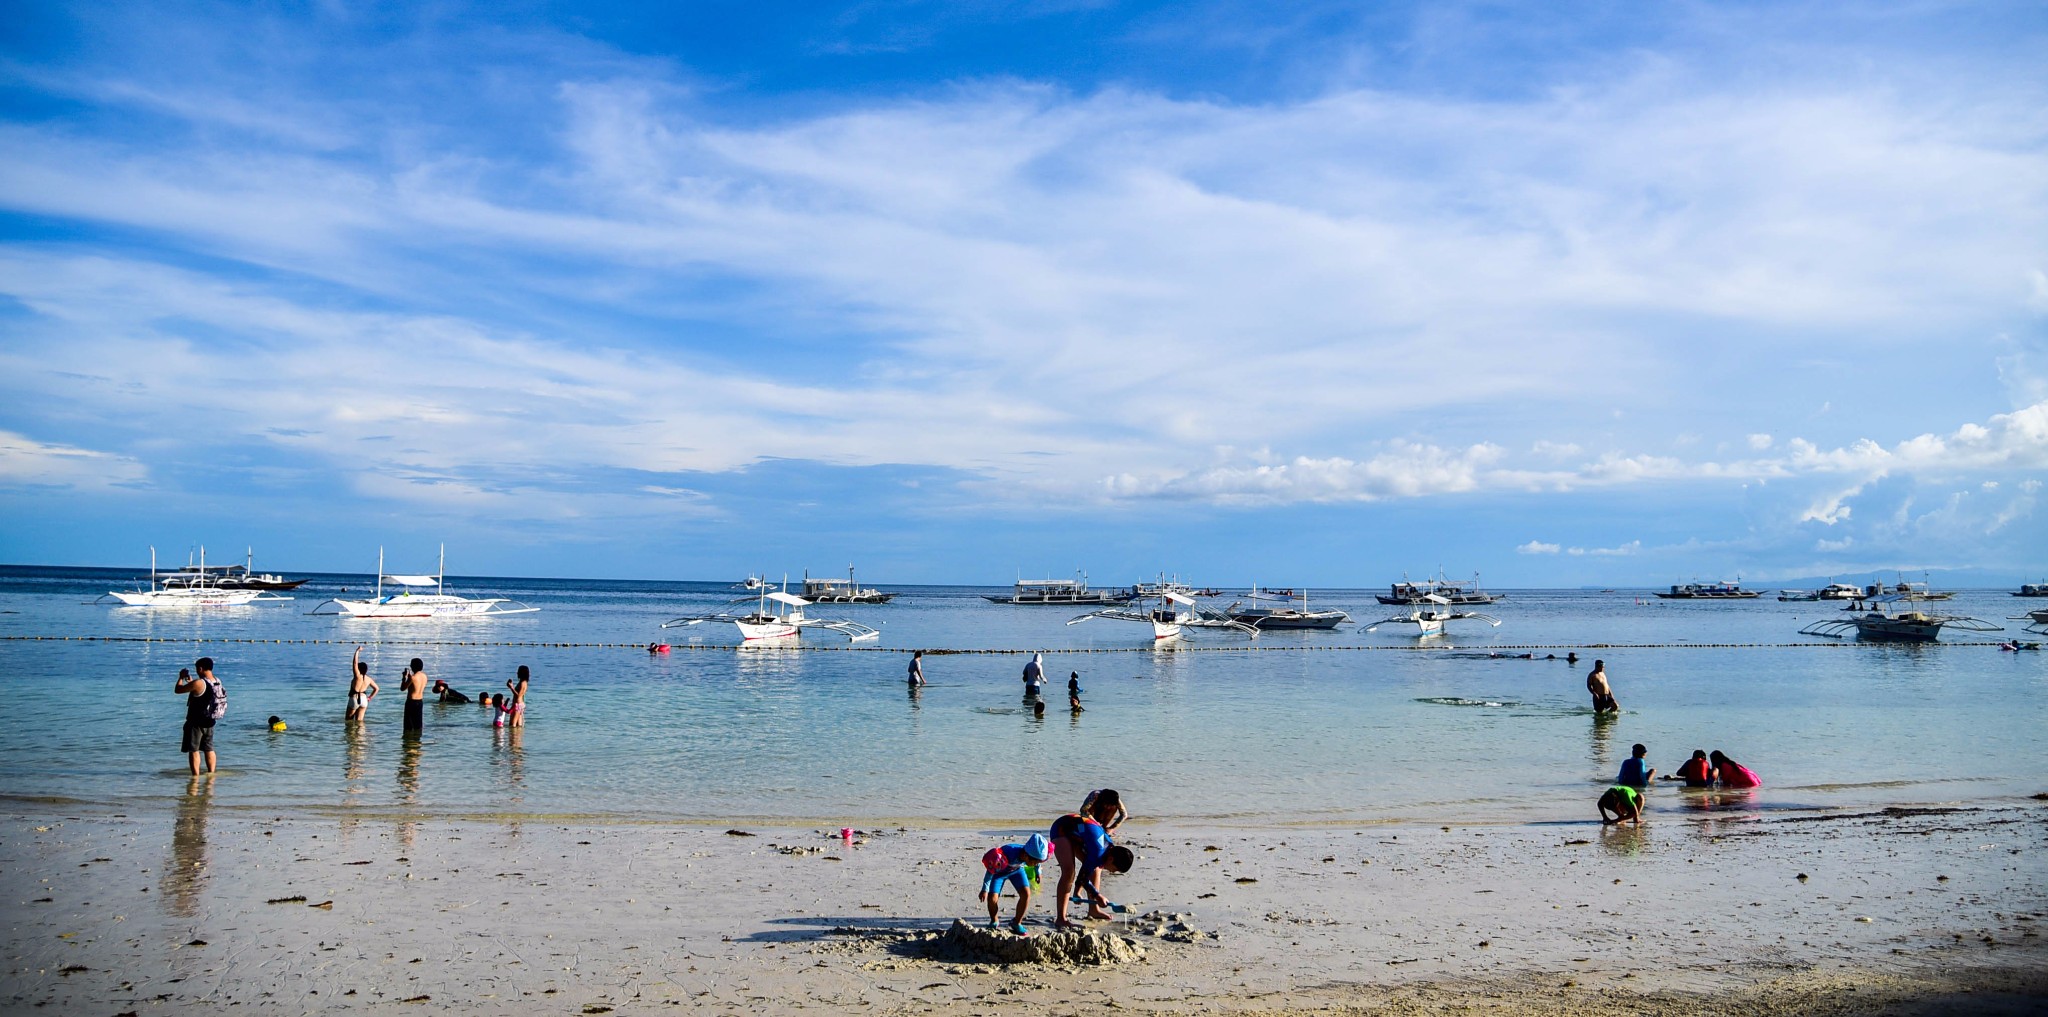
point(1316, 727)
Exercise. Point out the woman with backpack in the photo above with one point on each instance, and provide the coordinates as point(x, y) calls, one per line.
point(206, 702)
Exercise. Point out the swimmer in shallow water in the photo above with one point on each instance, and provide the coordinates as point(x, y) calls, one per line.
point(447, 692)
point(276, 722)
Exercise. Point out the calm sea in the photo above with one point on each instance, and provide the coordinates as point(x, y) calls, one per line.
point(1337, 727)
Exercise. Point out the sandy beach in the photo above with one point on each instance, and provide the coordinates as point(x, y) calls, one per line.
point(207, 906)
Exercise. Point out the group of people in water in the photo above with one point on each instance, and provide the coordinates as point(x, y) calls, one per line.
point(1080, 841)
point(1624, 799)
point(508, 709)
point(206, 700)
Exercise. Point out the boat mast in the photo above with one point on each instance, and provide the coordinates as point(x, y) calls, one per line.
point(441, 572)
point(152, 566)
point(380, 572)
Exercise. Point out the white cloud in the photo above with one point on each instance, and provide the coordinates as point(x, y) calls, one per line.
point(1759, 442)
point(26, 462)
point(1537, 547)
point(1633, 547)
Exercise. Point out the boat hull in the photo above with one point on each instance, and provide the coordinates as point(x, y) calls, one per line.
point(421, 607)
point(1290, 620)
point(187, 598)
point(768, 632)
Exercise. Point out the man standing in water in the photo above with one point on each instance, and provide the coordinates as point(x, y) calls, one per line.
point(916, 678)
point(1603, 696)
point(361, 688)
point(415, 687)
point(205, 701)
point(1034, 675)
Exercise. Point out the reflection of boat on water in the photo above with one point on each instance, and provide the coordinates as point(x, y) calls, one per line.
point(1285, 617)
point(1453, 591)
point(1175, 614)
point(197, 588)
point(820, 590)
point(768, 625)
point(1430, 616)
point(407, 604)
point(1883, 622)
point(1709, 591)
point(1066, 592)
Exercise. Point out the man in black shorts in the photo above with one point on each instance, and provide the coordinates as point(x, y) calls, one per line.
point(415, 688)
point(199, 694)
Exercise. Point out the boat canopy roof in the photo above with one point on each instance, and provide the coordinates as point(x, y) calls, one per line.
point(1178, 599)
point(411, 580)
point(788, 598)
point(1436, 598)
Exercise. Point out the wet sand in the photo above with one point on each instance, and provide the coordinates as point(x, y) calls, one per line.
point(195, 909)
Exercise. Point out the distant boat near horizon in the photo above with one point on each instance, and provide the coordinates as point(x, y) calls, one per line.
point(1452, 591)
point(1061, 592)
point(1709, 591)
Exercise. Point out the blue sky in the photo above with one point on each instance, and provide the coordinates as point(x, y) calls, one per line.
point(1309, 294)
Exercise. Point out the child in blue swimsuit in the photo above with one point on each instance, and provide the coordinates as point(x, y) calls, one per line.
point(1017, 865)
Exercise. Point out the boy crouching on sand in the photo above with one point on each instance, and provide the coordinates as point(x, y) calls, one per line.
point(1625, 802)
point(1017, 865)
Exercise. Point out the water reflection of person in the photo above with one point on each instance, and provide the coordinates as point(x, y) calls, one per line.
point(186, 874)
point(1603, 738)
point(408, 791)
point(1626, 841)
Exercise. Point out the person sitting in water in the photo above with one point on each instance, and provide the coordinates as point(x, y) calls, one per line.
point(447, 692)
point(1625, 802)
point(1017, 865)
point(1731, 773)
point(1633, 772)
point(1696, 772)
point(276, 722)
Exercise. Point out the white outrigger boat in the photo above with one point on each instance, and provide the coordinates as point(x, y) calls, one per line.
point(188, 589)
point(407, 604)
point(1884, 624)
point(1285, 617)
point(765, 625)
point(1429, 615)
point(1175, 614)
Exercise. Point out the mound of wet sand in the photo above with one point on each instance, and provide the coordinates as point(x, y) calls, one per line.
point(1077, 948)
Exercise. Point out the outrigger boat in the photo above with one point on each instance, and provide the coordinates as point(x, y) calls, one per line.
point(1453, 591)
point(1429, 616)
point(765, 625)
point(1269, 618)
point(1066, 592)
point(407, 604)
point(188, 589)
point(1882, 622)
point(2039, 619)
point(2032, 590)
point(841, 591)
point(1175, 614)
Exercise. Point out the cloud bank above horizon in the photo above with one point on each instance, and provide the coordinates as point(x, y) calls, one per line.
point(556, 283)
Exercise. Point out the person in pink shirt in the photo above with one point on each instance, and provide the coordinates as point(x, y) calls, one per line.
point(1731, 773)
